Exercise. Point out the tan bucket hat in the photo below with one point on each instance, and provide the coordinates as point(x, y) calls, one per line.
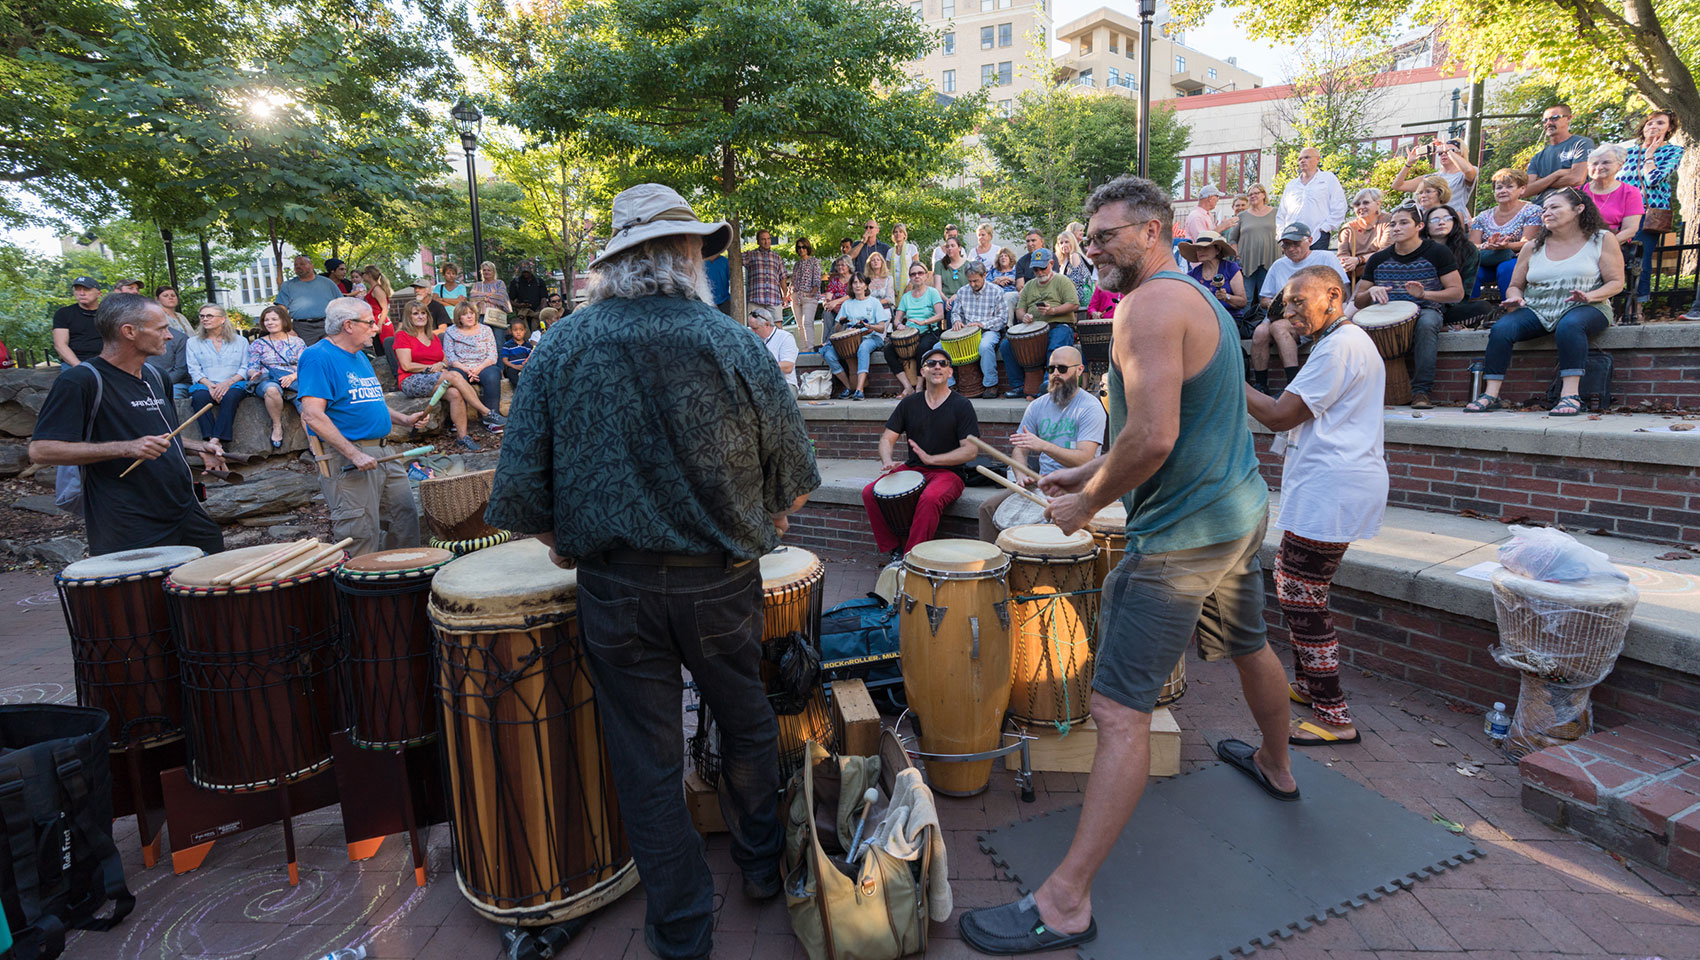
point(1208, 238)
point(651, 210)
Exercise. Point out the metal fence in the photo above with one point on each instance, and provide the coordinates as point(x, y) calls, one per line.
point(1673, 277)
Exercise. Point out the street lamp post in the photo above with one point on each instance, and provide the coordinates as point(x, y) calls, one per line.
point(468, 119)
point(1147, 11)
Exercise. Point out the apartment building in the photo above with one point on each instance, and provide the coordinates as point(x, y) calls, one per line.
point(987, 43)
point(1103, 55)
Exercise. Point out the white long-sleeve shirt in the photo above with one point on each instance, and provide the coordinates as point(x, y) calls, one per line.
point(1319, 204)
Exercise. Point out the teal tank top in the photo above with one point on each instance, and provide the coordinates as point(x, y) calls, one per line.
point(1208, 491)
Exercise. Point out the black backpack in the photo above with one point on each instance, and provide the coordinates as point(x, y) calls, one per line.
point(1595, 388)
point(60, 865)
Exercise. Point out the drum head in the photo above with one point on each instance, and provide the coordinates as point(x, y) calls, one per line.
point(1046, 540)
point(950, 336)
point(1111, 519)
point(500, 586)
point(1027, 329)
point(1385, 314)
point(391, 563)
point(890, 581)
point(955, 556)
point(898, 483)
point(786, 566)
point(1017, 511)
point(846, 334)
point(902, 335)
point(128, 563)
point(200, 573)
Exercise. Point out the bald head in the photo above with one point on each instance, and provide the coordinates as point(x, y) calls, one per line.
point(1066, 356)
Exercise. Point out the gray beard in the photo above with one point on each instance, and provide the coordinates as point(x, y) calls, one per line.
point(1117, 278)
point(1062, 392)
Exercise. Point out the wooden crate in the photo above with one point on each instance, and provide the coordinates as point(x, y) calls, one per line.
point(1051, 750)
point(855, 719)
point(704, 803)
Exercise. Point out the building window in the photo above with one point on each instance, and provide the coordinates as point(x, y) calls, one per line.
point(1130, 51)
point(1232, 173)
point(1006, 34)
point(988, 38)
point(988, 74)
point(1085, 48)
point(949, 9)
point(1113, 41)
point(1004, 107)
point(950, 43)
point(986, 6)
point(950, 81)
point(1085, 78)
point(1006, 73)
point(1180, 64)
point(1004, 5)
point(1114, 78)
point(1211, 72)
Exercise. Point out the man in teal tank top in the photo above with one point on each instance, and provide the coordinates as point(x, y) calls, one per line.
point(1184, 466)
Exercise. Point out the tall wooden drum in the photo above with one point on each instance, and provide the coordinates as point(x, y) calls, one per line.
point(954, 642)
point(1393, 328)
point(793, 582)
point(535, 822)
point(1109, 529)
point(121, 649)
point(384, 597)
point(1053, 620)
point(1028, 341)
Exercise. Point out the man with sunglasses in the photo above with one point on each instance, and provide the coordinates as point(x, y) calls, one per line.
point(936, 424)
point(1563, 162)
point(1063, 428)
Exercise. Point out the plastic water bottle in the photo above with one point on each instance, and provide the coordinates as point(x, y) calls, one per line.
point(356, 952)
point(1497, 725)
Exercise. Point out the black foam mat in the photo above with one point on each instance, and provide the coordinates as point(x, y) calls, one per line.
point(1210, 866)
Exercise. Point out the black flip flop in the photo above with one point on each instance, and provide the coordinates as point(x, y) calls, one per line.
point(1238, 753)
point(1016, 928)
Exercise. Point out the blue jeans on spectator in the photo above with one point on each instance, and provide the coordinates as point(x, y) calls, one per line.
point(1571, 335)
point(1499, 275)
point(639, 624)
point(1425, 344)
point(989, 340)
point(268, 383)
point(870, 343)
point(1644, 286)
point(489, 383)
point(1062, 335)
point(225, 423)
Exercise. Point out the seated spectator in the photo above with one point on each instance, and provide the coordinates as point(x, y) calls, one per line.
point(881, 285)
point(981, 303)
point(273, 361)
point(1500, 231)
point(545, 316)
point(1619, 203)
point(173, 365)
point(218, 370)
point(1432, 191)
point(1414, 269)
point(1563, 285)
point(470, 348)
point(837, 288)
point(421, 368)
point(863, 311)
point(1102, 306)
point(922, 307)
point(1296, 254)
point(780, 344)
point(168, 297)
point(1364, 234)
point(1214, 266)
point(1445, 226)
point(515, 351)
point(1002, 273)
point(1051, 298)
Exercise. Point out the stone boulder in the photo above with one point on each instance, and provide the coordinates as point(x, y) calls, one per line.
point(14, 457)
point(434, 423)
point(21, 396)
point(252, 432)
point(57, 552)
point(268, 493)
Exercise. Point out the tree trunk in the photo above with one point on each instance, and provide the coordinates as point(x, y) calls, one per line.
point(734, 249)
point(1685, 201)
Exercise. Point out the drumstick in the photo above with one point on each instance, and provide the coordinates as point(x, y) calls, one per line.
point(999, 455)
point(415, 452)
point(437, 394)
point(168, 437)
point(255, 571)
point(309, 562)
point(282, 552)
point(1014, 487)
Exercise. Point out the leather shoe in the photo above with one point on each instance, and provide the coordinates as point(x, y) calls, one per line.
point(764, 889)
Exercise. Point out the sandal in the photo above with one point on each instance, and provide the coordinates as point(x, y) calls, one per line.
point(1241, 755)
point(1294, 695)
point(1486, 403)
point(1016, 928)
point(1320, 735)
point(1566, 407)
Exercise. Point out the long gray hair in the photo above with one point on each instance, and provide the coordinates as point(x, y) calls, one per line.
point(661, 267)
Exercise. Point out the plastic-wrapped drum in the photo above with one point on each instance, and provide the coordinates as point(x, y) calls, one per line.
point(1568, 633)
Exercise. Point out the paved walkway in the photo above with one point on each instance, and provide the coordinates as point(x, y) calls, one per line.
point(1537, 894)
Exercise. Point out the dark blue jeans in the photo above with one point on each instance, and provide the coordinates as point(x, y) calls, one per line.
point(1644, 286)
point(1061, 335)
point(489, 383)
point(640, 623)
point(224, 426)
point(1571, 335)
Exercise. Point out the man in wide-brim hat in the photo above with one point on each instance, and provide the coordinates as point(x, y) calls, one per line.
point(654, 444)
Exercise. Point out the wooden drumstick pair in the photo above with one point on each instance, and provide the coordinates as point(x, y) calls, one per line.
point(1019, 468)
point(168, 438)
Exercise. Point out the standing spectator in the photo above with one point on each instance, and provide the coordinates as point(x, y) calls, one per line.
point(420, 367)
point(805, 293)
point(1239, 205)
point(131, 285)
point(1500, 231)
point(1445, 226)
point(1253, 235)
point(526, 292)
point(1619, 203)
point(75, 336)
point(1650, 166)
point(447, 295)
point(169, 298)
point(869, 244)
point(488, 294)
point(337, 272)
point(1563, 285)
point(1296, 254)
point(845, 245)
point(378, 295)
point(1024, 266)
point(218, 370)
point(516, 350)
point(172, 364)
point(1214, 267)
point(780, 345)
point(882, 286)
point(984, 251)
point(983, 304)
point(950, 233)
point(1563, 162)
point(1450, 165)
point(1414, 269)
point(555, 300)
point(950, 272)
point(470, 349)
point(1072, 264)
point(274, 361)
point(1049, 297)
point(921, 307)
point(1314, 198)
point(1432, 191)
point(903, 250)
point(306, 294)
point(863, 311)
point(1202, 219)
point(764, 275)
point(719, 270)
point(1364, 234)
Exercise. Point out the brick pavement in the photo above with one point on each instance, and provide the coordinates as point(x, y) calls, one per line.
point(1538, 893)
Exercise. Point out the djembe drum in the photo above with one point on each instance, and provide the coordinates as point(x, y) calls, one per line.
point(533, 814)
point(259, 666)
point(1095, 338)
point(384, 596)
point(1109, 529)
point(845, 343)
point(1017, 511)
point(1393, 327)
point(905, 344)
point(122, 654)
point(1053, 617)
point(454, 505)
point(963, 348)
point(896, 495)
point(1029, 340)
point(954, 644)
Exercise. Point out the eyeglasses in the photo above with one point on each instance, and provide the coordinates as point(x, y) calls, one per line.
point(917, 273)
point(1061, 367)
point(1100, 237)
point(936, 363)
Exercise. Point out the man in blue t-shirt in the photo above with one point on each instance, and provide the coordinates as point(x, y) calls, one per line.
point(720, 281)
point(343, 405)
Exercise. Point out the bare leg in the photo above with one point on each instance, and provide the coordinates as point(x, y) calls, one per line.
point(862, 380)
point(1260, 346)
point(1265, 685)
point(457, 411)
point(1568, 386)
point(1285, 343)
point(459, 384)
point(274, 408)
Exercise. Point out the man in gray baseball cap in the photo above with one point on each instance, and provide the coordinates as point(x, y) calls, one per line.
point(75, 337)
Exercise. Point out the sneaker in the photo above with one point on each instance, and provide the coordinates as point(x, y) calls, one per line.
point(468, 444)
point(1014, 395)
point(1420, 401)
point(858, 395)
point(1691, 315)
point(494, 422)
point(842, 394)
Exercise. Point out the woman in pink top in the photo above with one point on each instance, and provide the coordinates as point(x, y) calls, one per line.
point(1619, 203)
point(1102, 304)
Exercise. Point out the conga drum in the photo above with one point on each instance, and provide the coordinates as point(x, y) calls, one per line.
point(1393, 327)
point(954, 644)
point(897, 494)
point(1053, 615)
point(963, 348)
point(122, 654)
point(1017, 511)
point(1109, 530)
point(1029, 340)
point(1095, 338)
point(387, 659)
point(260, 667)
point(845, 343)
point(905, 344)
point(533, 815)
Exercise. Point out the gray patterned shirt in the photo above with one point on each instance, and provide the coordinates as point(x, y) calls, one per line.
point(651, 424)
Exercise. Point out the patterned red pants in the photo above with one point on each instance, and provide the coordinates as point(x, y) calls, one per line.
point(1303, 571)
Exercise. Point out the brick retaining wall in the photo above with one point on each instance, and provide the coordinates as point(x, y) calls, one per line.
point(860, 439)
point(1669, 376)
point(843, 529)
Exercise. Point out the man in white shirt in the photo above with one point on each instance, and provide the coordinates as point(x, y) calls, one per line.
point(1296, 254)
point(1064, 427)
point(1202, 219)
point(1313, 197)
point(780, 344)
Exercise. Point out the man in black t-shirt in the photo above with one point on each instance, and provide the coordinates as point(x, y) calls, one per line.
point(114, 409)
point(1413, 269)
point(74, 336)
point(937, 422)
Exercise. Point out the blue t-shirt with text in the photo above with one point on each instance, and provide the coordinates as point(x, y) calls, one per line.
point(354, 399)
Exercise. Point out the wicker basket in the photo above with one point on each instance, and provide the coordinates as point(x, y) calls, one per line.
point(454, 505)
point(1565, 633)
